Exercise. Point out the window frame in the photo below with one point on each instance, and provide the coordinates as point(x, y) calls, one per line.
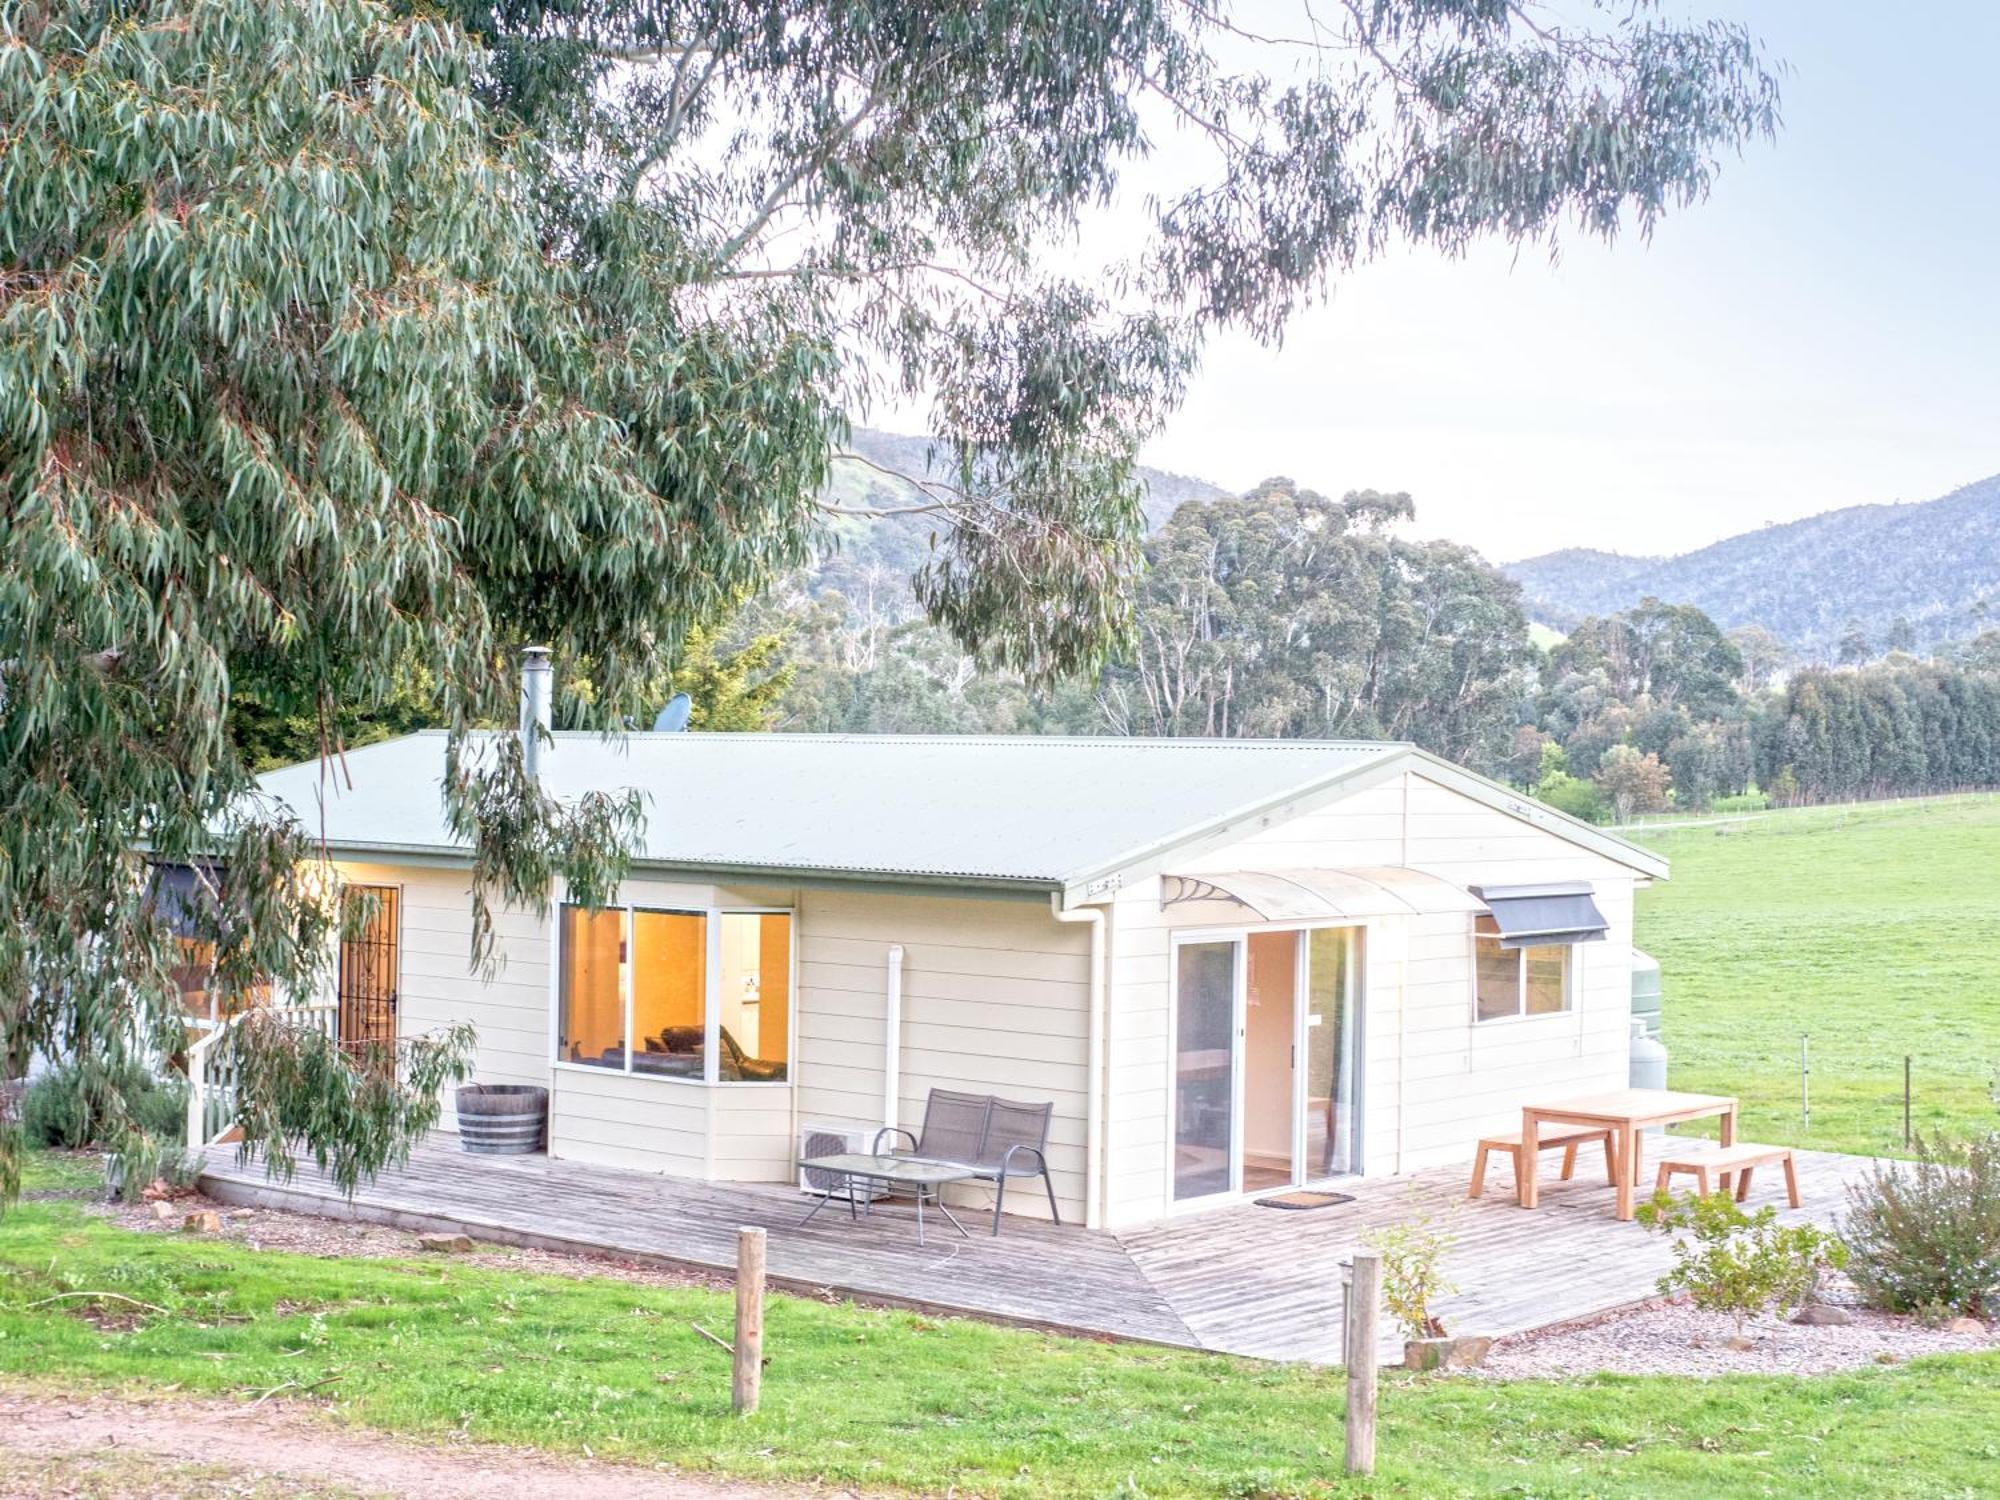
point(711, 1020)
point(1520, 1012)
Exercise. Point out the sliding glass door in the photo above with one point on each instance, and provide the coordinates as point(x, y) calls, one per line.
point(1207, 977)
point(1329, 1135)
point(1269, 1051)
point(1266, 1060)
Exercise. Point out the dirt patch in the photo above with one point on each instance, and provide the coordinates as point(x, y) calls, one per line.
point(107, 1475)
point(114, 1447)
point(1674, 1338)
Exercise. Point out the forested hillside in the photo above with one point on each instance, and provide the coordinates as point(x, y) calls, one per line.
point(1901, 575)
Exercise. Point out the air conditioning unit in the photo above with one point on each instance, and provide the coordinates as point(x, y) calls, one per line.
point(820, 1139)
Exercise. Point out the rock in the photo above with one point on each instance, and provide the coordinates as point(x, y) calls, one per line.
point(1965, 1325)
point(1741, 1343)
point(1886, 1358)
point(1445, 1354)
point(202, 1221)
point(1822, 1315)
point(162, 1210)
point(445, 1244)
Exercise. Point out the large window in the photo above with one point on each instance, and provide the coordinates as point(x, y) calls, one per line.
point(183, 898)
point(756, 995)
point(591, 1024)
point(669, 992)
point(699, 995)
point(1509, 982)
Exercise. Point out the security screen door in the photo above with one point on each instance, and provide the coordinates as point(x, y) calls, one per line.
point(370, 966)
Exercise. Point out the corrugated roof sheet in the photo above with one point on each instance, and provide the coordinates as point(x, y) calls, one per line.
point(1024, 808)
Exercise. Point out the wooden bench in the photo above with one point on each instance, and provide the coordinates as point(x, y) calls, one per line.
point(1569, 1137)
point(1738, 1161)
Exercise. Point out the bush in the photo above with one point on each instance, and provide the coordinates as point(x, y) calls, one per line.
point(1739, 1263)
point(1741, 802)
point(1412, 1276)
point(73, 1106)
point(1573, 795)
point(1926, 1234)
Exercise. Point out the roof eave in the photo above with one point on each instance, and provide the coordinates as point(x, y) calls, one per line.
point(1540, 815)
point(451, 856)
point(1095, 883)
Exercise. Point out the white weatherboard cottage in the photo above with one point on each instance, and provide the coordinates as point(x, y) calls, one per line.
point(1232, 966)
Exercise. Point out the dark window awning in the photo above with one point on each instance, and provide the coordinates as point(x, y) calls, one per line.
point(1539, 916)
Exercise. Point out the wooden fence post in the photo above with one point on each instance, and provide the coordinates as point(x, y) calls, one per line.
point(748, 1376)
point(1805, 1081)
point(1906, 1101)
point(1364, 1305)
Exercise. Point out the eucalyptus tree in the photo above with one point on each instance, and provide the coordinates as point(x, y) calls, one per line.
point(1286, 613)
point(1671, 653)
point(335, 337)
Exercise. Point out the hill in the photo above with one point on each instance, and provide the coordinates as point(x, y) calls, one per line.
point(1935, 563)
point(871, 561)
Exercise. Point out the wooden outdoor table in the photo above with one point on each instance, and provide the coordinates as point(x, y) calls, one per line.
point(1627, 1112)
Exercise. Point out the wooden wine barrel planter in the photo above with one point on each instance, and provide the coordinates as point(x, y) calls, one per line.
point(502, 1119)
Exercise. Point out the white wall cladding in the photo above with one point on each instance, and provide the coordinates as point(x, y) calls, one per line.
point(1433, 1080)
point(625, 1120)
point(995, 1000)
point(510, 1011)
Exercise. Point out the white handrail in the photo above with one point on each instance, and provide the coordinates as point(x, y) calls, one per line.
point(211, 1073)
point(198, 1056)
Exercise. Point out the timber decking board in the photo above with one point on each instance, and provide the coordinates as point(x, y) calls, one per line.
point(560, 1204)
point(1239, 1280)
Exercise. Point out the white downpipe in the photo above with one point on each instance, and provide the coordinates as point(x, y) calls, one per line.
point(1402, 1044)
point(1093, 1129)
point(535, 707)
point(892, 1039)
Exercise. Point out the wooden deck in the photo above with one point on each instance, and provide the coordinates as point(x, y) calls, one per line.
point(1241, 1280)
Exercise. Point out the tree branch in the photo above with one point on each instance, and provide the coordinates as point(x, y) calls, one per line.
point(804, 168)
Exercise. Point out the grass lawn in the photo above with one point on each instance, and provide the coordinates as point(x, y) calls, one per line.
point(894, 1400)
point(1873, 929)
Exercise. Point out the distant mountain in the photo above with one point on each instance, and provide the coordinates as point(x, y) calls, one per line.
point(1935, 563)
point(870, 561)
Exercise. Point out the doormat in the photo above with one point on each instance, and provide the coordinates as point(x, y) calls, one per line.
point(1304, 1200)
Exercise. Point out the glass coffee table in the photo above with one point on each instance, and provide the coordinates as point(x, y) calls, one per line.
point(927, 1177)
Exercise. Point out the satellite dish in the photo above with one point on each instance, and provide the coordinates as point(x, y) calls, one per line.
point(674, 717)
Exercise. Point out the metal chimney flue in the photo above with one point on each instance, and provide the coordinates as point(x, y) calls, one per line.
point(536, 677)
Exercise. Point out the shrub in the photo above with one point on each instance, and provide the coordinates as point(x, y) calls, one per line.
point(1573, 795)
point(1412, 1275)
point(73, 1105)
point(1926, 1234)
point(1741, 802)
point(1737, 1263)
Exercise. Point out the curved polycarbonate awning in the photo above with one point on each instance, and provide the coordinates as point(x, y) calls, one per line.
point(1320, 895)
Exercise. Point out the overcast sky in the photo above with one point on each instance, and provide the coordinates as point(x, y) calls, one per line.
point(1825, 331)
